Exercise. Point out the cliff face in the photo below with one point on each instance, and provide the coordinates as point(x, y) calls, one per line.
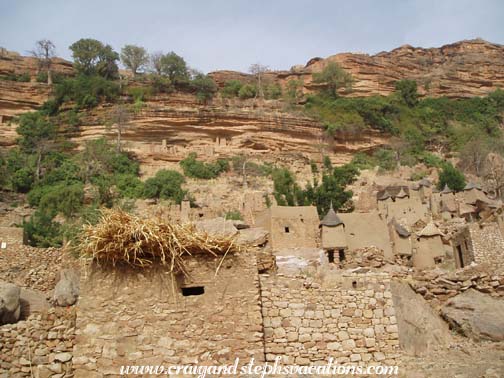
point(463, 69)
point(171, 126)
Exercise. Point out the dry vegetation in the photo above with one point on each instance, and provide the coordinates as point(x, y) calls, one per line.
point(122, 238)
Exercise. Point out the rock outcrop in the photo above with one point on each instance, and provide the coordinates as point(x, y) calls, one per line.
point(414, 317)
point(463, 69)
point(476, 315)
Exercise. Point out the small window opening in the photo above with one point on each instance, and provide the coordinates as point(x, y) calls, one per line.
point(341, 255)
point(330, 255)
point(193, 290)
point(438, 260)
point(287, 230)
point(354, 284)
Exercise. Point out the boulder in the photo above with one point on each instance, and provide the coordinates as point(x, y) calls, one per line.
point(476, 315)
point(66, 291)
point(217, 227)
point(10, 306)
point(253, 236)
point(33, 301)
point(421, 330)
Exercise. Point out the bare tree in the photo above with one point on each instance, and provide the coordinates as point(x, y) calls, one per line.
point(493, 172)
point(156, 62)
point(120, 119)
point(258, 70)
point(44, 52)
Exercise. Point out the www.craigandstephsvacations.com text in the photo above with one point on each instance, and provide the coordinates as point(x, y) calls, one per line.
point(251, 369)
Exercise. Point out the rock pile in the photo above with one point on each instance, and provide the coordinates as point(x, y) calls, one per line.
point(40, 346)
point(439, 286)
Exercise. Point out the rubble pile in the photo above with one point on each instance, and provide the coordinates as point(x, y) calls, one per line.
point(438, 286)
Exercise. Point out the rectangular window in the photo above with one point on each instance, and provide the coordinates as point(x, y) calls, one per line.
point(193, 290)
point(286, 230)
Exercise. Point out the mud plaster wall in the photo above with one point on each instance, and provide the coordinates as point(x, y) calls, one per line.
point(306, 324)
point(461, 242)
point(126, 318)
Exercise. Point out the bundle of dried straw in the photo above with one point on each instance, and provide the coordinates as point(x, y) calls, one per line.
point(120, 237)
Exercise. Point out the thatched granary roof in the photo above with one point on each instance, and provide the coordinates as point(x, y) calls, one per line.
point(430, 230)
point(471, 186)
point(331, 219)
point(446, 190)
point(424, 182)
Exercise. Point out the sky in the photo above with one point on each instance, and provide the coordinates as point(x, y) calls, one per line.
point(233, 34)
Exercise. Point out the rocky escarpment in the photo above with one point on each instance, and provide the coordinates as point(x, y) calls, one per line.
point(462, 69)
point(19, 97)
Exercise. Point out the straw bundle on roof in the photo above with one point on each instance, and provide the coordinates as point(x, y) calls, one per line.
point(120, 237)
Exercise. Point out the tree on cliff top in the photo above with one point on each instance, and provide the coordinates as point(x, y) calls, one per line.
point(91, 57)
point(333, 78)
point(258, 70)
point(44, 52)
point(175, 67)
point(134, 57)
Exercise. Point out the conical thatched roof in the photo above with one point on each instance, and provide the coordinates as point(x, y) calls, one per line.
point(471, 186)
point(401, 193)
point(430, 230)
point(446, 190)
point(385, 195)
point(424, 182)
point(331, 219)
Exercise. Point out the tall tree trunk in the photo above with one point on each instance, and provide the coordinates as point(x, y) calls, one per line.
point(49, 77)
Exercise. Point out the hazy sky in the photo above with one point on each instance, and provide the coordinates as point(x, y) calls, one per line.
point(232, 34)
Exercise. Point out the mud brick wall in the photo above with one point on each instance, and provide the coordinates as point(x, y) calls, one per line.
point(142, 318)
point(487, 243)
point(348, 317)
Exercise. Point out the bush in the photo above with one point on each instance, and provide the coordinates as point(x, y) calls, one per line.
point(22, 77)
point(62, 199)
point(129, 186)
point(233, 215)
point(452, 177)
point(198, 169)
point(138, 93)
point(57, 77)
point(385, 159)
point(86, 91)
point(42, 231)
point(247, 91)
point(408, 91)
point(204, 86)
point(22, 180)
point(231, 88)
point(273, 91)
point(166, 184)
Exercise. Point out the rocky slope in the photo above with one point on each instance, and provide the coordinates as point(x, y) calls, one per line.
point(462, 69)
point(171, 126)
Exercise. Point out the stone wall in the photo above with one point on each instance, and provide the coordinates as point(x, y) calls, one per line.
point(143, 318)
point(487, 243)
point(39, 346)
point(349, 317)
point(11, 236)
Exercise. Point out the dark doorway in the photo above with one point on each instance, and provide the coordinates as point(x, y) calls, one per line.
point(193, 290)
point(287, 230)
point(341, 255)
point(460, 256)
point(330, 255)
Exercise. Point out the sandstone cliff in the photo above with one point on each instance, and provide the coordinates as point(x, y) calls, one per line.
point(462, 69)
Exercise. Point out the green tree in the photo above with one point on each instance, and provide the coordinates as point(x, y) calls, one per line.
point(37, 136)
point(204, 86)
point(294, 90)
point(231, 88)
point(165, 184)
point(134, 57)
point(452, 177)
point(247, 91)
point(407, 89)
point(175, 67)
point(91, 57)
point(333, 78)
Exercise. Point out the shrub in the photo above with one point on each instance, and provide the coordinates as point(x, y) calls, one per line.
point(204, 86)
point(198, 169)
point(231, 88)
point(385, 159)
point(408, 91)
point(42, 231)
point(452, 177)
point(129, 186)
point(333, 78)
point(247, 91)
point(57, 77)
point(233, 215)
point(22, 180)
point(273, 91)
point(165, 184)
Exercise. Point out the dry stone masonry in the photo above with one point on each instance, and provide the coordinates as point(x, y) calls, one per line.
point(350, 318)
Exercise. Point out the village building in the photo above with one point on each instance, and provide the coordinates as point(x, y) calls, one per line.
point(333, 236)
point(463, 253)
point(290, 226)
point(428, 250)
point(400, 238)
point(367, 230)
